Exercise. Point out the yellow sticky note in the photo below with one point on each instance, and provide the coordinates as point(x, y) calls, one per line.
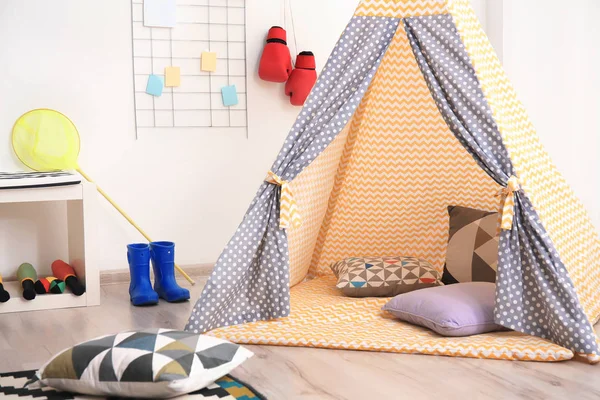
point(209, 61)
point(172, 76)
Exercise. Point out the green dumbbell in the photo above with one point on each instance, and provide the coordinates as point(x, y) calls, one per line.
point(27, 276)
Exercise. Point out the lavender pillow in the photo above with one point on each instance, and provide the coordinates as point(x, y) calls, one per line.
point(463, 309)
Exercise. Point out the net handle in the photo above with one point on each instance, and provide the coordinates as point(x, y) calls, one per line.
point(131, 221)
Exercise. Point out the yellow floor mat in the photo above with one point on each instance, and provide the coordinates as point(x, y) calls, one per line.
point(322, 317)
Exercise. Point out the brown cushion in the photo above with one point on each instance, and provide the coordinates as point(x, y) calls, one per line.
point(472, 253)
point(383, 276)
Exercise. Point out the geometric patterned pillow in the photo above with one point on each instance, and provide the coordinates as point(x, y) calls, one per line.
point(472, 253)
point(157, 363)
point(383, 276)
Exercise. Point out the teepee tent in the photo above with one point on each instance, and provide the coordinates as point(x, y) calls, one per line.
point(412, 113)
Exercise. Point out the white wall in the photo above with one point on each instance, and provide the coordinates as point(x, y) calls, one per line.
point(494, 24)
point(480, 7)
point(552, 55)
point(75, 56)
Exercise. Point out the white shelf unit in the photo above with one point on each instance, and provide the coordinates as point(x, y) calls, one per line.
point(81, 210)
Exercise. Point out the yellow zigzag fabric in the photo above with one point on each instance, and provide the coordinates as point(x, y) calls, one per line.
point(312, 189)
point(400, 170)
point(289, 215)
point(564, 217)
point(322, 317)
point(400, 8)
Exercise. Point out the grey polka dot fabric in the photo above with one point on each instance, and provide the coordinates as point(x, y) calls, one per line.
point(534, 293)
point(250, 280)
point(443, 60)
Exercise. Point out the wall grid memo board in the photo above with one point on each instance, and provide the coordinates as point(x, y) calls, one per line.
point(201, 25)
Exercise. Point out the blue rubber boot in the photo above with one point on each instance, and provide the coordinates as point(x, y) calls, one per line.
point(140, 288)
point(163, 263)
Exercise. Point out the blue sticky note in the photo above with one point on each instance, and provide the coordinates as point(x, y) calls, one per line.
point(155, 85)
point(230, 97)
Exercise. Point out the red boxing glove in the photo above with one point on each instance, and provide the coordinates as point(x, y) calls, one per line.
point(276, 61)
point(302, 79)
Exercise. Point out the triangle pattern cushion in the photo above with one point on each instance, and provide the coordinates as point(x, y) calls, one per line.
point(158, 363)
point(383, 276)
point(472, 253)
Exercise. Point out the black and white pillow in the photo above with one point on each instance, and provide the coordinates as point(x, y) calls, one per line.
point(155, 363)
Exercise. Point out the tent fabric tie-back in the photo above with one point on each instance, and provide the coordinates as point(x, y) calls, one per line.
point(506, 207)
point(289, 214)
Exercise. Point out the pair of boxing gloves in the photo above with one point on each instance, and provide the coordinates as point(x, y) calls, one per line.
point(276, 66)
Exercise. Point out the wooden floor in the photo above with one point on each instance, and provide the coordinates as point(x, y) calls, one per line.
point(27, 340)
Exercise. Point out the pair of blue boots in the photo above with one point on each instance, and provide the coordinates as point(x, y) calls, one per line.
point(162, 255)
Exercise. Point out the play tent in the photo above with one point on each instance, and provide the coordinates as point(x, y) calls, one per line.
point(412, 113)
